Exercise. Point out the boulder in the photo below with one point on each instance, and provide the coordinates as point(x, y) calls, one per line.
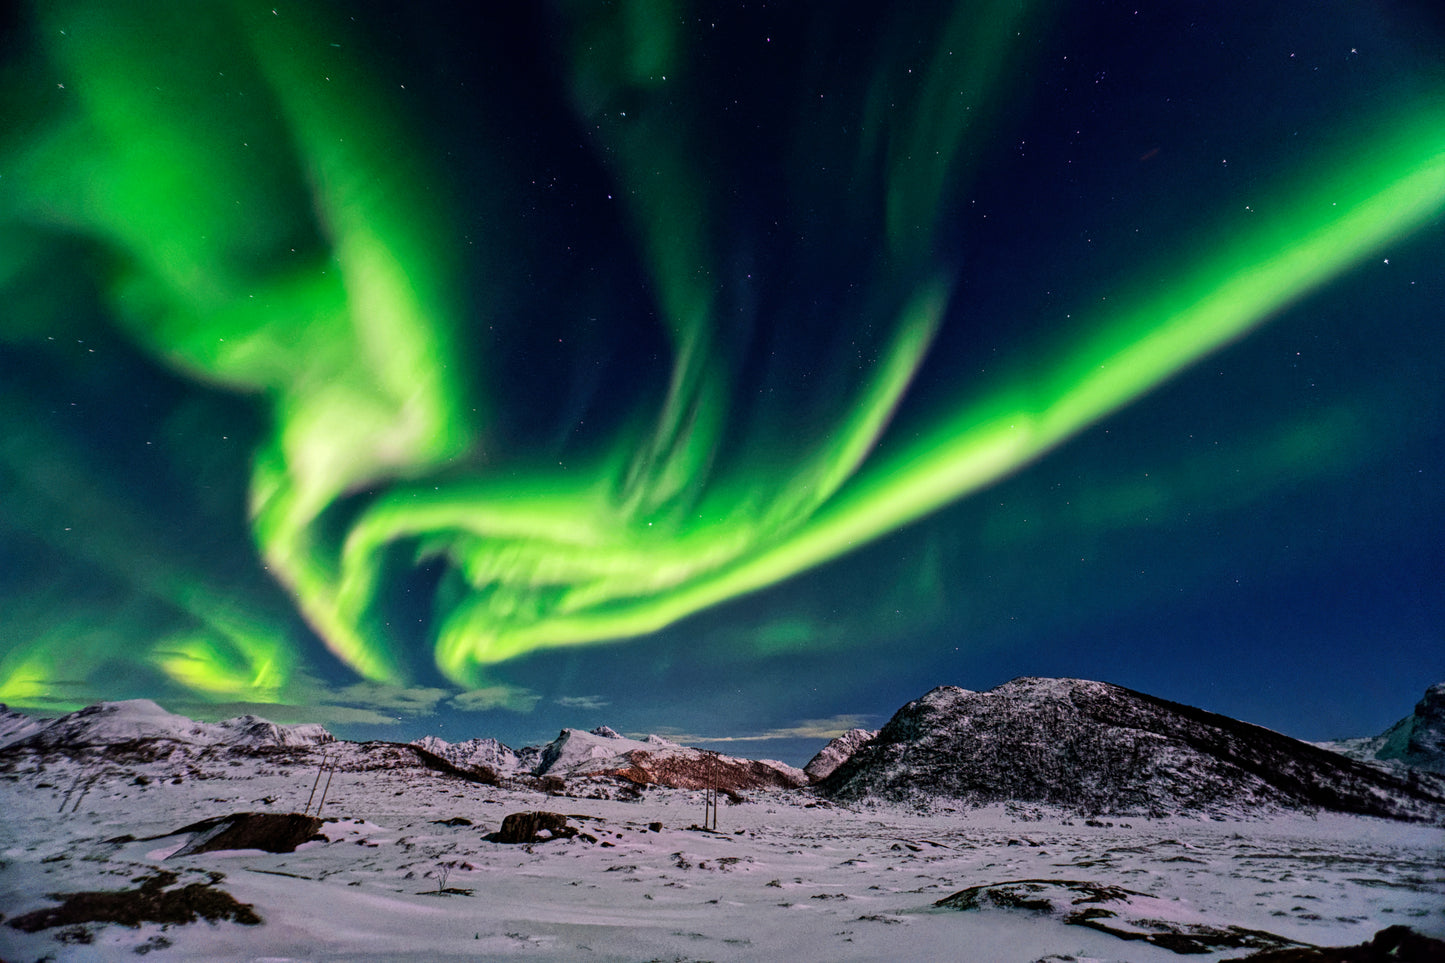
point(532, 827)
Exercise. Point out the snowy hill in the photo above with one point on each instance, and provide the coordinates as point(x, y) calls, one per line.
point(1101, 748)
point(136, 720)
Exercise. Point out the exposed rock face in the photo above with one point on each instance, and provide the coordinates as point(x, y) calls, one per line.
point(1125, 913)
point(1394, 944)
point(270, 832)
point(533, 827)
point(1096, 747)
point(837, 752)
point(1419, 740)
point(1415, 742)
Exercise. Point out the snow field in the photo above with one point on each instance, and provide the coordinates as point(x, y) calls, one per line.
point(784, 878)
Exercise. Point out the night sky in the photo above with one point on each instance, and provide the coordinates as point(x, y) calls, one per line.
point(732, 371)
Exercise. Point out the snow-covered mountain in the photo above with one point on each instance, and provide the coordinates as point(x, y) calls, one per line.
point(836, 752)
point(1100, 748)
point(137, 720)
point(473, 753)
point(1089, 746)
point(604, 754)
point(1416, 741)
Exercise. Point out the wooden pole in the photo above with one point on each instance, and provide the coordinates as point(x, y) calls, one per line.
point(330, 772)
point(319, 770)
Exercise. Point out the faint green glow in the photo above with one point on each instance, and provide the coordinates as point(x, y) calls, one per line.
point(288, 249)
point(242, 666)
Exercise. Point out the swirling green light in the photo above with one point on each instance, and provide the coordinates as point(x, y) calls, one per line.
point(287, 248)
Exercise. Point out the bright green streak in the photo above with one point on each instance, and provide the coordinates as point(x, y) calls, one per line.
point(1323, 231)
point(204, 151)
point(286, 248)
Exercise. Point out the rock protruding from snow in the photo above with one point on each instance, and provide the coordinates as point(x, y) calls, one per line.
point(533, 827)
point(1120, 912)
point(141, 720)
point(268, 832)
point(473, 754)
point(1096, 747)
point(837, 752)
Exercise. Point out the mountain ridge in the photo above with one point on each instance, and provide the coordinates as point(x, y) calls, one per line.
point(1097, 747)
point(1088, 746)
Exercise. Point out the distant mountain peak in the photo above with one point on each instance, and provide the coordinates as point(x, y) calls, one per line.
point(1415, 742)
point(130, 720)
point(1418, 740)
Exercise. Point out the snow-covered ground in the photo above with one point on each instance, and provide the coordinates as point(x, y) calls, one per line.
point(784, 877)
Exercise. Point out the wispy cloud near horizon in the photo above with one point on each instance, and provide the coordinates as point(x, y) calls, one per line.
point(588, 702)
point(829, 728)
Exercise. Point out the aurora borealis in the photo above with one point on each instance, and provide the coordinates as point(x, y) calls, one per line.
point(736, 368)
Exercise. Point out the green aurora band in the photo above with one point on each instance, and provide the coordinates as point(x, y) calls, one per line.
point(288, 248)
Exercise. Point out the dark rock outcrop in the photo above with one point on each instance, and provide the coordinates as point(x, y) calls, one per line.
point(1394, 944)
point(269, 832)
point(532, 827)
point(151, 902)
point(1096, 747)
point(1120, 912)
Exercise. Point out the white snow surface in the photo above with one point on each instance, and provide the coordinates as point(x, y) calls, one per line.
point(786, 876)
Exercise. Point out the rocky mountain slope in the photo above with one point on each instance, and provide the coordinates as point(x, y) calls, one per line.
point(604, 754)
point(836, 752)
point(1100, 748)
point(139, 730)
point(1416, 741)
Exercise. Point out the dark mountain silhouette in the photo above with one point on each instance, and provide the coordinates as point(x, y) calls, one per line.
point(1099, 748)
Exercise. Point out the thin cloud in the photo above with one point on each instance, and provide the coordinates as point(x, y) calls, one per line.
point(582, 702)
point(830, 728)
point(407, 700)
point(513, 698)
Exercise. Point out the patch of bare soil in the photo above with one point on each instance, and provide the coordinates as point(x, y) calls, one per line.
point(150, 902)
